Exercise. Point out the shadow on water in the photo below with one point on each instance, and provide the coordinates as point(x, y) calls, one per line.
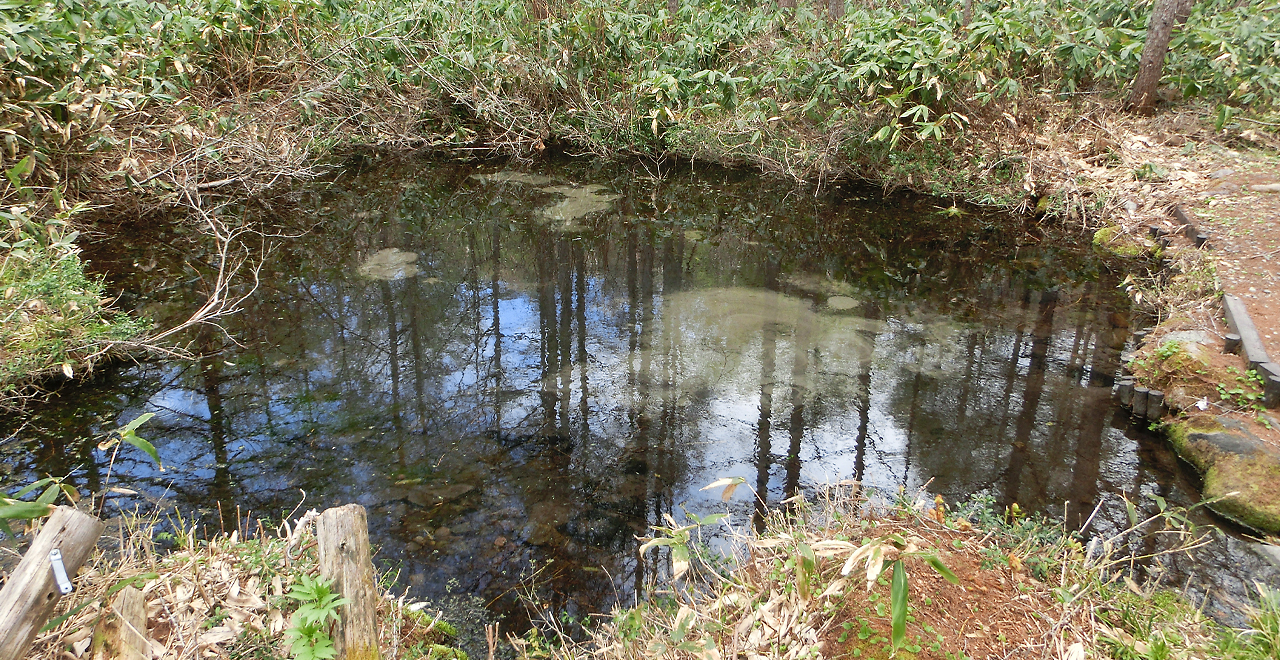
point(519, 373)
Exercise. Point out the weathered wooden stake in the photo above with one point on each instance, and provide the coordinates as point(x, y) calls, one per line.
point(31, 594)
point(342, 535)
point(1155, 405)
point(1231, 343)
point(1125, 391)
point(122, 635)
point(1139, 404)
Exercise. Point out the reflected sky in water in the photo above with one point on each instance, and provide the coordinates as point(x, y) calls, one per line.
point(508, 369)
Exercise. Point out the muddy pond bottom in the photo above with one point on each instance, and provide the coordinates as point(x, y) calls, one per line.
point(518, 373)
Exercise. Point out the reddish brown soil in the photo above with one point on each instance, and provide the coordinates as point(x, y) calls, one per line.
point(993, 613)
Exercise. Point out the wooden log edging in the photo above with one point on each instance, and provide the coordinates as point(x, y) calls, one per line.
point(1189, 230)
point(1243, 338)
point(1251, 347)
point(32, 592)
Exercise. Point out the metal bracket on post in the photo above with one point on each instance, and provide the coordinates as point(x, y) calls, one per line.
point(60, 571)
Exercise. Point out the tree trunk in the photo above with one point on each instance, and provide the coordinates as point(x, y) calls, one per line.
point(967, 17)
point(787, 4)
point(1164, 17)
point(835, 9)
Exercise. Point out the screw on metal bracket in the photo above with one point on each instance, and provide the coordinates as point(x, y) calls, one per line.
point(60, 572)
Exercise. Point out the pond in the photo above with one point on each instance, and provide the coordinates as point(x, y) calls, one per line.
point(518, 372)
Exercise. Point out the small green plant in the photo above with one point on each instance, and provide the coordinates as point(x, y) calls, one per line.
point(680, 537)
point(1245, 393)
point(874, 553)
point(1150, 172)
point(54, 317)
point(317, 609)
point(128, 434)
point(1168, 350)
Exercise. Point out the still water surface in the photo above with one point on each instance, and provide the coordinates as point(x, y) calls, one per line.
point(523, 371)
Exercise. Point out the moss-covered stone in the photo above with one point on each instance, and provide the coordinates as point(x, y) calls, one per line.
point(1235, 467)
point(1113, 239)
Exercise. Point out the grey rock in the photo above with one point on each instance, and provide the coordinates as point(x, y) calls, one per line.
point(1222, 173)
point(432, 496)
point(1229, 443)
point(1189, 337)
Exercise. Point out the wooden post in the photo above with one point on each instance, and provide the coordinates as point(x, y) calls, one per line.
point(123, 634)
point(31, 594)
point(1138, 406)
point(342, 536)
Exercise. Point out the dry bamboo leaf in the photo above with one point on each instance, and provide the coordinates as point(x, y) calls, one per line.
point(731, 599)
point(275, 621)
point(831, 548)
point(247, 601)
point(857, 556)
point(834, 589)
point(875, 562)
point(215, 636)
point(678, 568)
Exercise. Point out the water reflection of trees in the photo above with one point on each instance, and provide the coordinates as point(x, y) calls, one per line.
point(551, 395)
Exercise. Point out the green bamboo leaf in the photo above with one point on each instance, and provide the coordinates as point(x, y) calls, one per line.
point(137, 421)
point(145, 446)
point(49, 495)
point(941, 568)
point(899, 604)
point(655, 543)
point(24, 510)
point(20, 494)
point(72, 494)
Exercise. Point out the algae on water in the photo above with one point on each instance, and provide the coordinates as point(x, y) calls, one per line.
point(390, 264)
point(508, 176)
point(841, 303)
point(578, 202)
